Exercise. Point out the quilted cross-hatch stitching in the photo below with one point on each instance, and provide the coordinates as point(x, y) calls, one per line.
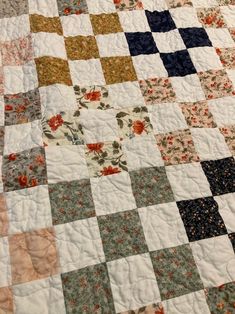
point(117, 146)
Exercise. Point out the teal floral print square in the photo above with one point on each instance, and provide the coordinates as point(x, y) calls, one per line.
point(88, 291)
point(176, 271)
point(67, 7)
point(71, 201)
point(151, 186)
point(122, 235)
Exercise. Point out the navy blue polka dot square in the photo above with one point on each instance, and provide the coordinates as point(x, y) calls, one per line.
point(178, 63)
point(141, 43)
point(160, 21)
point(195, 37)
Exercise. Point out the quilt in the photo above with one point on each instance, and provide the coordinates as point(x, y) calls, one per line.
point(117, 144)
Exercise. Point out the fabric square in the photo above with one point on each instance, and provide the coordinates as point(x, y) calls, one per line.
point(204, 58)
point(105, 23)
point(227, 209)
point(149, 66)
point(198, 214)
point(71, 201)
point(86, 72)
point(122, 5)
point(81, 47)
point(40, 23)
point(28, 209)
point(176, 271)
point(99, 6)
point(178, 63)
point(221, 299)
point(112, 45)
point(185, 17)
point(160, 21)
point(4, 222)
point(195, 37)
point(66, 163)
point(142, 152)
point(52, 70)
point(198, 115)
point(228, 13)
point(181, 3)
point(5, 275)
point(79, 244)
point(188, 181)
point(220, 174)
point(74, 25)
point(166, 117)
point(151, 308)
point(223, 110)
point(2, 139)
point(118, 69)
point(169, 41)
point(134, 122)
point(177, 147)
point(155, 5)
point(134, 21)
point(220, 37)
point(216, 83)
point(211, 17)
point(226, 56)
point(122, 235)
point(205, 3)
point(112, 193)
point(104, 159)
point(157, 90)
point(67, 7)
point(6, 300)
point(22, 107)
point(24, 169)
point(162, 226)
point(43, 8)
point(7, 8)
point(141, 43)
point(93, 291)
point(1, 81)
point(139, 276)
point(210, 144)
point(150, 186)
point(48, 293)
point(33, 255)
point(229, 136)
point(19, 23)
point(222, 269)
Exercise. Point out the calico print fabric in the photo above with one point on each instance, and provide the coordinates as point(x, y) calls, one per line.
point(117, 146)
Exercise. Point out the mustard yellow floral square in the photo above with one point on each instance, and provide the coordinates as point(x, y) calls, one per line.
point(40, 23)
point(81, 47)
point(105, 23)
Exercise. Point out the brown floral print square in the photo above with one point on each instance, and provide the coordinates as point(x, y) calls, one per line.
point(40, 23)
point(118, 69)
point(81, 47)
point(6, 300)
point(129, 5)
point(52, 70)
point(211, 17)
point(226, 56)
point(229, 135)
point(13, 8)
point(67, 7)
point(106, 23)
point(177, 147)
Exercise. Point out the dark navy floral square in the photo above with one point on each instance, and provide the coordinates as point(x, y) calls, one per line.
point(220, 174)
point(178, 63)
point(195, 37)
point(201, 218)
point(232, 239)
point(141, 43)
point(160, 21)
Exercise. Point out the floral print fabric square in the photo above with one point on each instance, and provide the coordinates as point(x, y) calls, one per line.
point(81, 47)
point(9, 8)
point(129, 5)
point(105, 23)
point(122, 235)
point(67, 7)
point(40, 23)
point(229, 135)
point(211, 17)
point(176, 271)
point(227, 57)
point(6, 300)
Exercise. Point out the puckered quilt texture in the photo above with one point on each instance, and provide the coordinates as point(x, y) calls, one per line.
point(117, 144)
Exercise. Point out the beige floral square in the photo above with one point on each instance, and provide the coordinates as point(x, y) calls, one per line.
point(211, 17)
point(4, 223)
point(40, 23)
point(129, 5)
point(81, 47)
point(229, 135)
point(179, 3)
point(227, 57)
point(106, 23)
point(6, 301)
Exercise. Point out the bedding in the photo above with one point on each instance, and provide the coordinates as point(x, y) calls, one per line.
point(117, 144)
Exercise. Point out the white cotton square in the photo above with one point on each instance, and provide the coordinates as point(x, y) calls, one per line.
point(205, 58)
point(166, 118)
point(215, 260)
point(48, 44)
point(74, 25)
point(86, 72)
point(24, 136)
point(149, 66)
point(28, 209)
point(99, 125)
point(223, 110)
point(100, 6)
point(112, 45)
point(154, 5)
point(112, 193)
point(66, 163)
point(185, 17)
point(188, 88)
point(14, 27)
point(79, 244)
point(20, 78)
point(125, 95)
point(43, 7)
point(226, 203)
point(204, 3)
point(40, 296)
point(228, 13)
point(220, 37)
point(169, 41)
point(130, 279)
point(210, 143)
point(188, 181)
point(5, 264)
point(163, 226)
point(134, 21)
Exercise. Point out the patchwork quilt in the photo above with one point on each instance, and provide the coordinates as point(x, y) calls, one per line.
point(117, 144)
